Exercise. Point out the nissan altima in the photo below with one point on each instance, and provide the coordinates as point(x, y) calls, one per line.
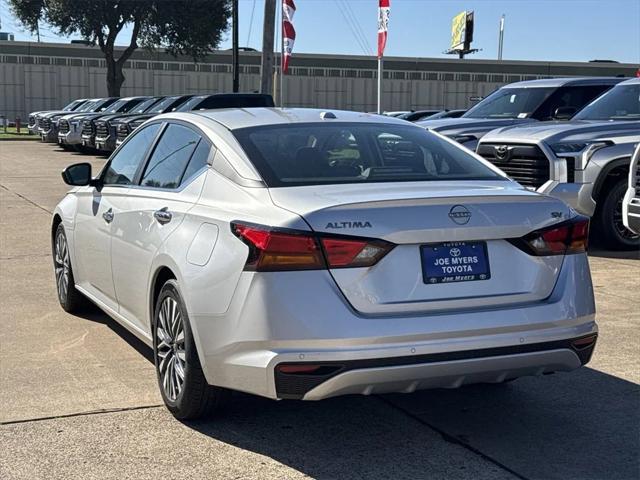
point(304, 254)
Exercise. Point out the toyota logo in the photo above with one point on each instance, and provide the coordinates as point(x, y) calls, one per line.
point(460, 214)
point(502, 152)
point(454, 252)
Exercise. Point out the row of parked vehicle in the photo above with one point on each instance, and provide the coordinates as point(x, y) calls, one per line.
point(102, 124)
point(569, 138)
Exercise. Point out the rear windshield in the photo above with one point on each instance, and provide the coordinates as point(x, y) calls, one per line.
point(316, 154)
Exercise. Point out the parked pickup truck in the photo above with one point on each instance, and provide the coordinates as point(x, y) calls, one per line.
point(585, 161)
point(520, 103)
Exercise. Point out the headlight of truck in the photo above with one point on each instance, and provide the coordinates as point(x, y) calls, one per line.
point(582, 151)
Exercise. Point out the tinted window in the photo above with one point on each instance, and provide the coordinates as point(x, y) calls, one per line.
point(573, 97)
point(314, 154)
point(198, 160)
point(124, 164)
point(170, 157)
point(620, 103)
point(510, 103)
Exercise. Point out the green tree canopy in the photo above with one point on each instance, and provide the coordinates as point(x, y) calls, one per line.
point(188, 27)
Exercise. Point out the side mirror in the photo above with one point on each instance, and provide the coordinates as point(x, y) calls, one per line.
point(564, 113)
point(77, 175)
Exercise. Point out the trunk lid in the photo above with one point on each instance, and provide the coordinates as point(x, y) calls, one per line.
point(415, 215)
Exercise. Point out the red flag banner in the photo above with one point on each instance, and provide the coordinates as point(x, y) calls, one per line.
point(383, 25)
point(288, 32)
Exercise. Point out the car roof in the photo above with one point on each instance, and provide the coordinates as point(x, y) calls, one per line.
point(562, 82)
point(235, 118)
point(631, 81)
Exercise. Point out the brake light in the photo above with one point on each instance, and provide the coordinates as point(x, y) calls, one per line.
point(341, 252)
point(271, 250)
point(566, 238)
point(279, 250)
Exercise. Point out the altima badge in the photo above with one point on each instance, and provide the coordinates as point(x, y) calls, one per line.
point(460, 214)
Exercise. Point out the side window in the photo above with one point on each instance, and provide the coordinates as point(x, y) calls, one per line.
point(124, 164)
point(170, 157)
point(574, 97)
point(198, 160)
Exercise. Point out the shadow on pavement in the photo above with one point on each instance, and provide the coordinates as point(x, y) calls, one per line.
point(94, 314)
point(582, 425)
point(622, 254)
point(579, 425)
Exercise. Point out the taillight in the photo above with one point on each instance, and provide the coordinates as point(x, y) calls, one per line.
point(278, 250)
point(272, 250)
point(562, 239)
point(344, 252)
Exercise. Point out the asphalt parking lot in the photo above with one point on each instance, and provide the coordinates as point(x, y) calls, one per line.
point(80, 400)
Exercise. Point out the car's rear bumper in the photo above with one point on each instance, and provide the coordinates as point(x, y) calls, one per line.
point(440, 370)
point(271, 321)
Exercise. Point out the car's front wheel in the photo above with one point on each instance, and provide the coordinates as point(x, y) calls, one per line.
point(184, 389)
point(610, 225)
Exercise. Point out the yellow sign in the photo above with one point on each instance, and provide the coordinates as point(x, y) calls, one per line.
point(458, 31)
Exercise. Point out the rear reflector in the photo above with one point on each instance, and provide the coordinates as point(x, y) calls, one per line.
point(584, 342)
point(562, 239)
point(282, 250)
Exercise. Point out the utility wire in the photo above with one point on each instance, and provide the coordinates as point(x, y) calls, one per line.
point(253, 9)
point(353, 32)
point(359, 29)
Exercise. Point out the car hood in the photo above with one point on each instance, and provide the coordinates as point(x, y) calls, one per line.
point(51, 113)
point(575, 131)
point(470, 126)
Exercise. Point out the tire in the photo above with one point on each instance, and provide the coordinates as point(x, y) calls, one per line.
point(609, 227)
point(174, 351)
point(71, 300)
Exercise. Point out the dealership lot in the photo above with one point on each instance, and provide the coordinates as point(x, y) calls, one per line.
point(80, 397)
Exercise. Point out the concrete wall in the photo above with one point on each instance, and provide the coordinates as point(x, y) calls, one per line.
point(47, 76)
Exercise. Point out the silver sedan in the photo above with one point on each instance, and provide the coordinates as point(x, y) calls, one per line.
point(298, 253)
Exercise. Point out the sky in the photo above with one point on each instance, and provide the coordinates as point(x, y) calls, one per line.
point(545, 30)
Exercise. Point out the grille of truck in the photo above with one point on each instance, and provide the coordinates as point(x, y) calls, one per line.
point(123, 132)
point(637, 185)
point(102, 129)
point(63, 126)
point(87, 128)
point(526, 164)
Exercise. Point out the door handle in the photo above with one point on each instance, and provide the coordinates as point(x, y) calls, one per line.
point(163, 215)
point(108, 216)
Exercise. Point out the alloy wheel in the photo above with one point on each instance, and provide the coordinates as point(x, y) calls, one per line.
point(618, 222)
point(170, 348)
point(62, 266)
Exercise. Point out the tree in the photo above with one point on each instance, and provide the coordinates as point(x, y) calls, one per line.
point(187, 27)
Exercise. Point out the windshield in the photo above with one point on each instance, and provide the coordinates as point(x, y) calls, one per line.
point(317, 154)
point(88, 106)
point(124, 105)
point(510, 103)
point(142, 107)
point(189, 104)
point(160, 107)
point(73, 105)
point(620, 103)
